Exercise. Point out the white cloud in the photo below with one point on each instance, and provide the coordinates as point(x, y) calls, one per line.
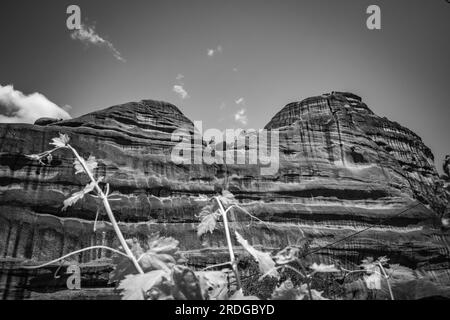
point(16, 107)
point(212, 52)
point(180, 91)
point(180, 77)
point(241, 117)
point(89, 36)
point(240, 101)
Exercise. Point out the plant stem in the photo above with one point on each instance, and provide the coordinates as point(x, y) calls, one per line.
point(216, 265)
point(108, 211)
point(247, 213)
point(308, 280)
point(387, 280)
point(230, 245)
point(309, 289)
point(74, 253)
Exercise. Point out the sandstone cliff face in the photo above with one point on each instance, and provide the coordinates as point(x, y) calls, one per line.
point(340, 138)
point(342, 169)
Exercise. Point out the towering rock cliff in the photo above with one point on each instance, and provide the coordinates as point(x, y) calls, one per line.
point(338, 137)
point(342, 169)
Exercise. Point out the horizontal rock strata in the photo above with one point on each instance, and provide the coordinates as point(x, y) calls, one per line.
point(342, 169)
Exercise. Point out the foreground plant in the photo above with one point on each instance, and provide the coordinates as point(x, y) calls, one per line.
point(167, 277)
point(269, 265)
point(155, 269)
point(87, 167)
point(291, 258)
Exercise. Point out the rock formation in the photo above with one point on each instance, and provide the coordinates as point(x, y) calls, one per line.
point(446, 166)
point(46, 121)
point(342, 169)
point(446, 186)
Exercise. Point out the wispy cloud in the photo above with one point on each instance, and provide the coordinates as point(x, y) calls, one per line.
point(16, 107)
point(89, 36)
point(222, 106)
point(180, 77)
point(212, 52)
point(178, 89)
point(240, 101)
point(241, 117)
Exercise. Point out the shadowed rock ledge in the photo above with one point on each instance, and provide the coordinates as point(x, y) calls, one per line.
point(342, 169)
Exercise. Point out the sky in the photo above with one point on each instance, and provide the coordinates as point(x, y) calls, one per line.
point(228, 63)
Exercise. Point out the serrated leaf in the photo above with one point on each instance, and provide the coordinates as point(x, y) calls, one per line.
point(371, 265)
point(61, 141)
point(134, 287)
point(91, 164)
point(287, 255)
point(383, 260)
point(160, 253)
point(239, 295)
point(228, 195)
point(324, 268)
point(157, 244)
point(373, 281)
point(123, 265)
point(265, 262)
point(304, 294)
point(206, 210)
point(157, 253)
point(36, 157)
point(397, 272)
point(153, 261)
point(77, 196)
point(287, 291)
point(317, 295)
point(208, 224)
point(214, 284)
point(227, 198)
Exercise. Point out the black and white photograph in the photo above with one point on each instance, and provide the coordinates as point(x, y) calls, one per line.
point(211, 150)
